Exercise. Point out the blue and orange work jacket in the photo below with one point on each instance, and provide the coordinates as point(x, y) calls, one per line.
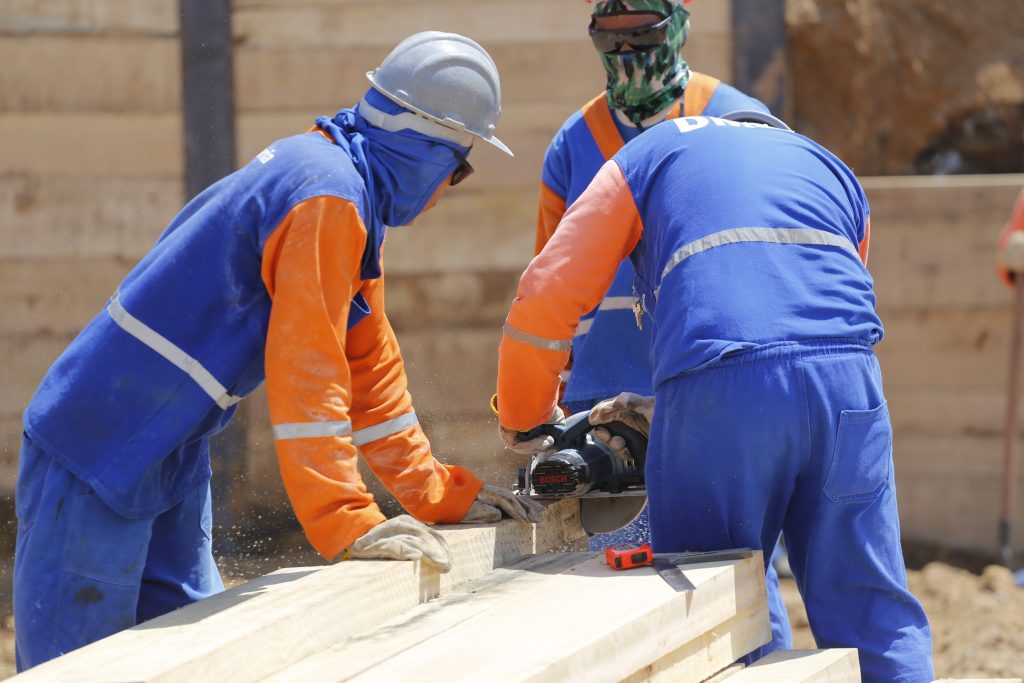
point(609, 350)
point(259, 275)
point(740, 235)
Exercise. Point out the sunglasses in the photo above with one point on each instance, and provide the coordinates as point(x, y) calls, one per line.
point(638, 37)
point(462, 171)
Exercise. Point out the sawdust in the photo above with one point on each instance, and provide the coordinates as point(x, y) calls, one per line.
point(977, 620)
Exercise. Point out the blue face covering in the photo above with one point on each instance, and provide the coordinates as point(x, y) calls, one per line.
point(401, 170)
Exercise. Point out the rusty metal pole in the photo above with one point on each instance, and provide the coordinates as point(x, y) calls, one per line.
point(1009, 489)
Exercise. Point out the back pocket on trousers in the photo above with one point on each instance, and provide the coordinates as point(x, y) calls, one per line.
point(863, 455)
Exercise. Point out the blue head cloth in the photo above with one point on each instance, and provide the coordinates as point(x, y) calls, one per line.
point(401, 170)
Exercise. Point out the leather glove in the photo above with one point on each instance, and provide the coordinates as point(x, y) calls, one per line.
point(1012, 256)
point(502, 500)
point(403, 538)
point(528, 447)
point(630, 409)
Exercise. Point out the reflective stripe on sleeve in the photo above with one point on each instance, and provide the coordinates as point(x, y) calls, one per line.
point(310, 430)
point(170, 352)
point(807, 236)
point(539, 342)
point(361, 437)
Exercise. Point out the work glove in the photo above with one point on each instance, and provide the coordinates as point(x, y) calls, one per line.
point(1012, 256)
point(530, 446)
point(631, 410)
point(403, 538)
point(492, 501)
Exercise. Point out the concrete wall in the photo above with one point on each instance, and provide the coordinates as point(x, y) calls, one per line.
point(91, 170)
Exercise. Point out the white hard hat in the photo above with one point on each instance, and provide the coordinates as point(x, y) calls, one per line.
point(446, 78)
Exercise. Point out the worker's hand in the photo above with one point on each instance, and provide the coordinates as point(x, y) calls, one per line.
point(496, 500)
point(530, 446)
point(1012, 256)
point(632, 410)
point(403, 538)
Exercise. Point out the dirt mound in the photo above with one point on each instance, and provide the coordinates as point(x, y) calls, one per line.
point(977, 621)
point(910, 86)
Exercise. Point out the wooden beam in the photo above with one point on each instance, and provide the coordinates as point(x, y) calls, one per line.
point(265, 625)
point(802, 666)
point(554, 618)
point(712, 652)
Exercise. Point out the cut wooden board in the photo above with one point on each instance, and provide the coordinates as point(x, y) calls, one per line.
point(802, 666)
point(711, 652)
point(263, 626)
point(558, 623)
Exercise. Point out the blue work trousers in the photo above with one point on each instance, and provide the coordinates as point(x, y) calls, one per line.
point(795, 437)
point(83, 572)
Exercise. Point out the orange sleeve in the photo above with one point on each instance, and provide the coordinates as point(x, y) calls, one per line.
point(565, 281)
point(311, 266)
point(865, 244)
point(386, 430)
point(1015, 224)
point(549, 213)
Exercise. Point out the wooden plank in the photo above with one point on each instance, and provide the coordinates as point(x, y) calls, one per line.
point(263, 626)
point(447, 298)
point(934, 239)
point(452, 371)
point(89, 145)
point(945, 349)
point(713, 651)
point(356, 655)
point(324, 79)
point(118, 17)
point(803, 666)
point(81, 217)
point(56, 297)
point(725, 673)
point(26, 360)
point(357, 24)
point(46, 73)
point(574, 630)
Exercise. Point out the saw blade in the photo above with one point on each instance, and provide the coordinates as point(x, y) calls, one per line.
point(608, 513)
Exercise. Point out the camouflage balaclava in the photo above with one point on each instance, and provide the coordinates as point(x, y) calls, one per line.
point(643, 83)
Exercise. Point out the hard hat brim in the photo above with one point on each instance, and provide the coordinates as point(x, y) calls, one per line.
point(447, 123)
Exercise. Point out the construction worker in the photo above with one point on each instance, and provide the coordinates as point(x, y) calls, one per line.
point(749, 243)
point(276, 270)
point(640, 45)
point(1011, 244)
